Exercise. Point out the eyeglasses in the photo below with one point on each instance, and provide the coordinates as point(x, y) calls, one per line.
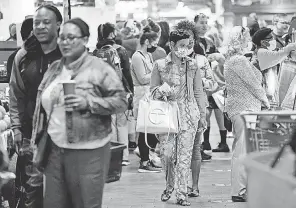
point(69, 39)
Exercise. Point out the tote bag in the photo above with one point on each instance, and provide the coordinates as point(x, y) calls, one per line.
point(286, 76)
point(157, 117)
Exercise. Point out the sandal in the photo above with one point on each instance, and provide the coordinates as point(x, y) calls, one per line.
point(183, 202)
point(189, 189)
point(194, 193)
point(166, 195)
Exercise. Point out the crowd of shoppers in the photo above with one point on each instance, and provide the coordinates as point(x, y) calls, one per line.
point(181, 64)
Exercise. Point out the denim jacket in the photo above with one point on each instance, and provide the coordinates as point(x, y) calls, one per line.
point(103, 90)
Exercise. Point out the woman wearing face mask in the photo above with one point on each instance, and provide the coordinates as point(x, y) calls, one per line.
point(106, 42)
point(178, 78)
point(267, 61)
point(142, 65)
point(244, 93)
point(77, 167)
point(156, 51)
point(208, 84)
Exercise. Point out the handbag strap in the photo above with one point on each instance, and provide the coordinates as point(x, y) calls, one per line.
point(49, 116)
point(225, 96)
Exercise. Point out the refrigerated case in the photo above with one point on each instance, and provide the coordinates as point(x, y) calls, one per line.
point(6, 49)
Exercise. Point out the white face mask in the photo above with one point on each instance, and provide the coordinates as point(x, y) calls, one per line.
point(190, 51)
point(272, 45)
point(181, 52)
point(250, 46)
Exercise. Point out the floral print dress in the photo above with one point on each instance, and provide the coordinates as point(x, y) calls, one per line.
point(176, 150)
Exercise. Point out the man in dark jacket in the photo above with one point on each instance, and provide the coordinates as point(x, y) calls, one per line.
point(30, 64)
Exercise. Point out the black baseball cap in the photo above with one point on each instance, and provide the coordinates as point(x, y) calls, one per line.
point(260, 35)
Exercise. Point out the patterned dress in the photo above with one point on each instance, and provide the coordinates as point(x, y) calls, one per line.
point(176, 150)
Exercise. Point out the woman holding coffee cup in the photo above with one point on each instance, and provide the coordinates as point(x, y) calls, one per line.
point(78, 95)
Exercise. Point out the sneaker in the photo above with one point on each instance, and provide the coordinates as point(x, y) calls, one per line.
point(155, 159)
point(222, 148)
point(240, 198)
point(206, 146)
point(149, 168)
point(194, 193)
point(137, 152)
point(125, 163)
point(205, 157)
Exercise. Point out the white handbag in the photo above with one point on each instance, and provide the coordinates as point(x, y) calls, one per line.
point(157, 117)
point(219, 99)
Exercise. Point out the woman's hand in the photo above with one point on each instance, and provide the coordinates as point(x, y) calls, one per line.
point(202, 124)
point(165, 89)
point(75, 102)
point(266, 105)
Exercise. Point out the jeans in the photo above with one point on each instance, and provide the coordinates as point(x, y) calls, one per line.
point(120, 131)
point(76, 178)
point(238, 172)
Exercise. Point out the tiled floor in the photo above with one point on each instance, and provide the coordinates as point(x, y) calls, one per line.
point(142, 190)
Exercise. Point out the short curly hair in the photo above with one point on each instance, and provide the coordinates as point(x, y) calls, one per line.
point(187, 25)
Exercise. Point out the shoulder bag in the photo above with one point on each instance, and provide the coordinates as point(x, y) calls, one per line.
point(227, 121)
point(41, 153)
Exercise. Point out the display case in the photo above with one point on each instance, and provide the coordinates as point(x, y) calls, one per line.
point(6, 49)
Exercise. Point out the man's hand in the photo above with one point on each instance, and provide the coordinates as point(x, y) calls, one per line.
point(18, 139)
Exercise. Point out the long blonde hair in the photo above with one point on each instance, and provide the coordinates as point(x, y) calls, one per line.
point(237, 41)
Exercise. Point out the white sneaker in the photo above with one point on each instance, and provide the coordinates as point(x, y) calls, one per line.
point(137, 152)
point(155, 159)
point(125, 163)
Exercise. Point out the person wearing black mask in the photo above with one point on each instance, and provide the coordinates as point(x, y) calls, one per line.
point(30, 64)
point(156, 51)
point(142, 65)
point(106, 46)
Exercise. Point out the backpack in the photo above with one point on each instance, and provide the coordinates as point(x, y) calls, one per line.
point(110, 55)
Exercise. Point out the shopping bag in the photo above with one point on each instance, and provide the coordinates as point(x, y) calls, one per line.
point(287, 74)
point(288, 102)
point(219, 99)
point(227, 121)
point(157, 117)
point(271, 82)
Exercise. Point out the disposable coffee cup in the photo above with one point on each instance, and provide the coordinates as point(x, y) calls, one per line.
point(69, 87)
